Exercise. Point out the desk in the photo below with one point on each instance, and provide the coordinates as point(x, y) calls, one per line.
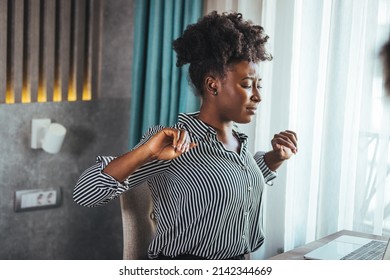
point(299, 252)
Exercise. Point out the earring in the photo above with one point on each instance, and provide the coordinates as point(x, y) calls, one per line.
point(215, 93)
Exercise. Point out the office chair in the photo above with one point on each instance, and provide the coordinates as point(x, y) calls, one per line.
point(138, 222)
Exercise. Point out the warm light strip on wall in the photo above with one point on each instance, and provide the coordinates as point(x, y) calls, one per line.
point(9, 96)
point(57, 96)
point(87, 94)
point(42, 93)
point(72, 93)
point(58, 45)
point(26, 96)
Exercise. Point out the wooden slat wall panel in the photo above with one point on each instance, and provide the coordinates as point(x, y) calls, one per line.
point(72, 81)
point(33, 34)
point(26, 96)
point(64, 48)
point(41, 62)
point(49, 50)
point(79, 45)
point(88, 52)
point(18, 54)
point(57, 23)
point(95, 46)
point(3, 49)
point(10, 97)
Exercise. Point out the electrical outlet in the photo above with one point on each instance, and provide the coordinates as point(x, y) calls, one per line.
point(37, 199)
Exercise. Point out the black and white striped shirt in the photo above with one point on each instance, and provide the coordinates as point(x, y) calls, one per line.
point(207, 202)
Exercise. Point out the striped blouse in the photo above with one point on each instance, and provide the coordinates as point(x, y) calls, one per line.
point(207, 202)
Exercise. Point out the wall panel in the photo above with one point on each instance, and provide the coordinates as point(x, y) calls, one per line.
point(3, 49)
point(49, 50)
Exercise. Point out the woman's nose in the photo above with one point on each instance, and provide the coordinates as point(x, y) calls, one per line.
point(256, 95)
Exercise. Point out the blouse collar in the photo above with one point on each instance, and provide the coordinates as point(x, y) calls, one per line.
point(201, 129)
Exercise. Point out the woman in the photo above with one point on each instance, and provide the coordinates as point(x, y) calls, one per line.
point(206, 186)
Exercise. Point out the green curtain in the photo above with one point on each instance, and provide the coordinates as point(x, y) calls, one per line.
point(160, 90)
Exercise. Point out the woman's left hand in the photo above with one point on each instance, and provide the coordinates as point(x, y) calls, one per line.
point(285, 144)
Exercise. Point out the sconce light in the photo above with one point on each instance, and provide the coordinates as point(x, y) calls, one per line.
point(47, 136)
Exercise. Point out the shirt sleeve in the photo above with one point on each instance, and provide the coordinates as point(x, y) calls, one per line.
point(268, 174)
point(96, 188)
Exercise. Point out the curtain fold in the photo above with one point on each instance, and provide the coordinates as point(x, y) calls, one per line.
point(160, 90)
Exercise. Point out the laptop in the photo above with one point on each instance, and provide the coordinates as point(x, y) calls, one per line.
point(347, 247)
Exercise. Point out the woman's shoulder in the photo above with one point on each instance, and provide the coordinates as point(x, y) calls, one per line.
point(154, 129)
point(157, 128)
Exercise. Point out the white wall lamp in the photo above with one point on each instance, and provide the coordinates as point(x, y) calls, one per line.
point(47, 136)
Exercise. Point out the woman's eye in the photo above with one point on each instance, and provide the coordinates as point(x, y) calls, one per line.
point(246, 86)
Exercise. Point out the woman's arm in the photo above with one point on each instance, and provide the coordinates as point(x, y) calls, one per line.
point(111, 176)
point(167, 144)
point(122, 167)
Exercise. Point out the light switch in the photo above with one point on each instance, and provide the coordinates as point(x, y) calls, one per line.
point(37, 199)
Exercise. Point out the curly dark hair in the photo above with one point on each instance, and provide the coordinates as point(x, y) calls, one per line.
point(385, 55)
point(217, 41)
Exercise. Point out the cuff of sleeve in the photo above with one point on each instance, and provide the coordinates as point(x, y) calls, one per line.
point(109, 181)
point(268, 174)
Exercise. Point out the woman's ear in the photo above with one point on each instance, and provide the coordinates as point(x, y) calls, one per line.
point(211, 85)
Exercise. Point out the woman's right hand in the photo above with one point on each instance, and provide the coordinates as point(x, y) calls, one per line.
point(169, 143)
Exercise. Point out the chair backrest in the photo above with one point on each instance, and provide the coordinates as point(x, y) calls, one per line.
point(138, 222)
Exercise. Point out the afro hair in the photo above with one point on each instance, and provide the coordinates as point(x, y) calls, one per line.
point(217, 41)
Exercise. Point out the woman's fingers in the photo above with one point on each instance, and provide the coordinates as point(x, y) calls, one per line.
point(184, 143)
point(182, 140)
point(287, 139)
point(176, 139)
point(179, 137)
point(292, 136)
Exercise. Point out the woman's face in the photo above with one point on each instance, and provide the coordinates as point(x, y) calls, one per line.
point(239, 93)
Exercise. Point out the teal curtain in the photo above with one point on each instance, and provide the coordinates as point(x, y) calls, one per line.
point(160, 90)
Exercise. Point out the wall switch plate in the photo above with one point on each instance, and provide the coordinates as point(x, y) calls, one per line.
point(26, 200)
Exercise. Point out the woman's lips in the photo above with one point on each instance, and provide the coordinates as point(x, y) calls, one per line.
point(251, 110)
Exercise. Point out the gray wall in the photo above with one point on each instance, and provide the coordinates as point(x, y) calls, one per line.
point(98, 127)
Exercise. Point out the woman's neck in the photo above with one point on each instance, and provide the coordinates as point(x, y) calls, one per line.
point(224, 130)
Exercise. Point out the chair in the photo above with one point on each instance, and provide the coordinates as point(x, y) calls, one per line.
point(138, 222)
